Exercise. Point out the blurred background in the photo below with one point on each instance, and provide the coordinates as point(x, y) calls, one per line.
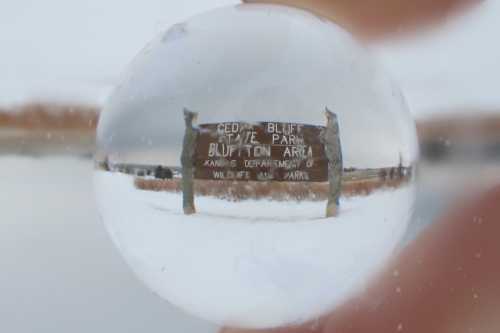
point(59, 59)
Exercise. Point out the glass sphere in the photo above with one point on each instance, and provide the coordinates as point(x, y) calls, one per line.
point(255, 167)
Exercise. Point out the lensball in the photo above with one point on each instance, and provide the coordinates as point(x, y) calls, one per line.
point(255, 166)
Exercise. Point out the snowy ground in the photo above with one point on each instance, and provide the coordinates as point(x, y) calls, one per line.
point(266, 263)
point(59, 272)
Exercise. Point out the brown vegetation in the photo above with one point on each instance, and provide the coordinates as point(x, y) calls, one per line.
point(237, 190)
point(50, 116)
point(59, 116)
point(460, 127)
point(48, 128)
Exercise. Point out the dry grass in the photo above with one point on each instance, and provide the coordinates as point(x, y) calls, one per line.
point(48, 128)
point(236, 190)
point(44, 116)
point(50, 116)
point(464, 126)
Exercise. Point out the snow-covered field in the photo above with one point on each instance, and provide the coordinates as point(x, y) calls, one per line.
point(59, 272)
point(267, 263)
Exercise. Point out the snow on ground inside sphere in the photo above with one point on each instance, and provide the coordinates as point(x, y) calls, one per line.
point(252, 274)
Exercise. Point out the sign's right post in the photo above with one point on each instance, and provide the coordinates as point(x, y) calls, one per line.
point(333, 151)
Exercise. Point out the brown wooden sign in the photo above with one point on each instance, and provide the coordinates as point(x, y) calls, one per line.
point(260, 151)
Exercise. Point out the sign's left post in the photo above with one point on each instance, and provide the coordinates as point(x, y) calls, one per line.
point(187, 162)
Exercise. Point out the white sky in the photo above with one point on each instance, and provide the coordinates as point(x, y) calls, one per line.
point(75, 50)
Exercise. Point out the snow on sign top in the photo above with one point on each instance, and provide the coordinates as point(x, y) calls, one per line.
point(260, 151)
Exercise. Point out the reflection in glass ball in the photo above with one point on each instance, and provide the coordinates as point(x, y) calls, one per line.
point(255, 167)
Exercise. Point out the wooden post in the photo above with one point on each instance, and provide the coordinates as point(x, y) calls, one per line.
point(333, 152)
point(187, 157)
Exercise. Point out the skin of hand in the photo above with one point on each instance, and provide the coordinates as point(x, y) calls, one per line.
point(446, 281)
point(377, 19)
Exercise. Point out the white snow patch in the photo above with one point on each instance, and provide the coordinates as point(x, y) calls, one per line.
point(59, 270)
point(228, 266)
